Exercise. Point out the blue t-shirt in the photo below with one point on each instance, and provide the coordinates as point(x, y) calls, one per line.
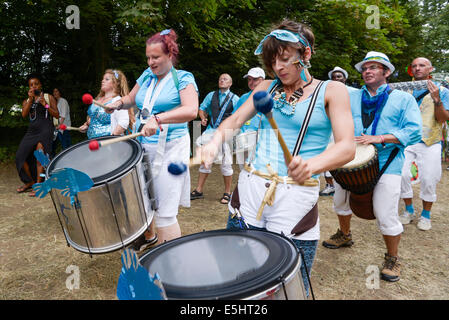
point(400, 117)
point(205, 105)
point(168, 99)
point(268, 149)
point(253, 123)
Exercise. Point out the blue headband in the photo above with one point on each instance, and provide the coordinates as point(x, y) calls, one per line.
point(115, 74)
point(164, 32)
point(283, 35)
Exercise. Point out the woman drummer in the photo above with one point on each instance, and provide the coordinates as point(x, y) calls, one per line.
point(101, 122)
point(168, 100)
point(286, 52)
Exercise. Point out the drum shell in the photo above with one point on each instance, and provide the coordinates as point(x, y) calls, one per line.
point(111, 215)
point(287, 286)
point(358, 180)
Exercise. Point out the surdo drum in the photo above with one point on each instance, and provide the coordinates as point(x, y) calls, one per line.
point(120, 205)
point(228, 264)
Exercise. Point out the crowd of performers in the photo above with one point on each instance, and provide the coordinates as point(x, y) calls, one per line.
point(274, 194)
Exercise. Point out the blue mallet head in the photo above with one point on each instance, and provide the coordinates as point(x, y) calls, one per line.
point(263, 102)
point(177, 168)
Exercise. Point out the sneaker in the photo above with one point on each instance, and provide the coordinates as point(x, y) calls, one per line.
point(424, 224)
point(407, 217)
point(391, 269)
point(447, 168)
point(338, 240)
point(328, 191)
point(141, 243)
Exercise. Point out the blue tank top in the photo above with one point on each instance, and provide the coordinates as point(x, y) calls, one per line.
point(315, 142)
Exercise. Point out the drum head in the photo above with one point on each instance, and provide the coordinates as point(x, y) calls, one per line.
point(104, 164)
point(221, 264)
point(363, 154)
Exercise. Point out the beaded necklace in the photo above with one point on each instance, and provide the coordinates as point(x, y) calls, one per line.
point(288, 107)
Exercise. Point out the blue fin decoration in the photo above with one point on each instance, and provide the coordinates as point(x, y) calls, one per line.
point(135, 282)
point(69, 180)
point(43, 159)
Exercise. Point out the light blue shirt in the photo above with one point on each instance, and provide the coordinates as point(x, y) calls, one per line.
point(205, 105)
point(168, 99)
point(400, 117)
point(100, 121)
point(253, 123)
point(269, 151)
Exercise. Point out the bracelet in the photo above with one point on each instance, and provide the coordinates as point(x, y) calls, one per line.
point(382, 139)
point(47, 106)
point(159, 122)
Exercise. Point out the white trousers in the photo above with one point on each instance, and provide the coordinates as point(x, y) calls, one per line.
point(170, 190)
point(385, 204)
point(428, 159)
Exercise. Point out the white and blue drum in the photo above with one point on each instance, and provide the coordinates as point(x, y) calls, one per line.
point(120, 205)
point(228, 264)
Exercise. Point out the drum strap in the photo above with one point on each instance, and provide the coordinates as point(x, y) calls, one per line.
point(305, 124)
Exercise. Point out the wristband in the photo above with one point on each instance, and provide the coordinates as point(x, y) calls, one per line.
point(382, 139)
point(158, 120)
point(47, 106)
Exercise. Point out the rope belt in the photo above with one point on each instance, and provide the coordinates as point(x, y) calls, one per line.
point(269, 196)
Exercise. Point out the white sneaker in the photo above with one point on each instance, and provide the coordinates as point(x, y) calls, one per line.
point(424, 224)
point(406, 217)
point(328, 191)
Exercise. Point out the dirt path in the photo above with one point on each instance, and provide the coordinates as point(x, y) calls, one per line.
point(36, 263)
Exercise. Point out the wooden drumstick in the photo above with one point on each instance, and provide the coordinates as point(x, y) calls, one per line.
point(64, 127)
point(264, 104)
point(88, 99)
point(95, 145)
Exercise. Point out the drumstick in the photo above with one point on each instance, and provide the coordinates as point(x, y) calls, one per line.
point(264, 104)
point(87, 99)
point(64, 127)
point(95, 145)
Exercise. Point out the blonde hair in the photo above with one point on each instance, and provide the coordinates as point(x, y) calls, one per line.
point(120, 83)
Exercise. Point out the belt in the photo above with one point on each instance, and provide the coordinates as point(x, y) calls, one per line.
point(269, 196)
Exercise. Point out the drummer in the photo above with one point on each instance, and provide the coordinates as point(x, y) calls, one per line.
point(286, 52)
point(388, 119)
point(168, 100)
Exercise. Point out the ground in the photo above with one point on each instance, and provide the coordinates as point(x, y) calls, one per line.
point(36, 263)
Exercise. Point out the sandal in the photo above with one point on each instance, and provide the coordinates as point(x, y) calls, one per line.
point(32, 194)
point(24, 188)
point(226, 198)
point(196, 195)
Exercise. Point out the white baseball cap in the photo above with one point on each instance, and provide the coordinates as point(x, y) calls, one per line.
point(255, 73)
point(376, 57)
point(338, 69)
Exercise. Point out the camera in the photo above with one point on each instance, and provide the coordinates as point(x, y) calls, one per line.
point(37, 92)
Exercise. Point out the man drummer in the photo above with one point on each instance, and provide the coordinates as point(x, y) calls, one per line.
point(388, 119)
point(434, 106)
point(219, 105)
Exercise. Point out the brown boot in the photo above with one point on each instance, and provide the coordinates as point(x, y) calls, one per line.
point(391, 268)
point(339, 240)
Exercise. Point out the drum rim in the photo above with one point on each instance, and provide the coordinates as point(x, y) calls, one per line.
point(116, 173)
point(264, 278)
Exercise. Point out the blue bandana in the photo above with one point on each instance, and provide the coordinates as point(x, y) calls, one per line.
point(283, 35)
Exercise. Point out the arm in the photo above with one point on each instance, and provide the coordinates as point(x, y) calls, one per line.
point(440, 102)
point(122, 119)
point(53, 110)
point(185, 112)
point(343, 150)
point(26, 104)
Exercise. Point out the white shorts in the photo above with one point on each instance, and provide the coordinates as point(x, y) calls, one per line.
point(286, 211)
point(428, 159)
point(170, 190)
point(385, 204)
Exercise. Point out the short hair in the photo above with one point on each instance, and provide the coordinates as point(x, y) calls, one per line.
point(33, 76)
point(168, 42)
point(273, 47)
